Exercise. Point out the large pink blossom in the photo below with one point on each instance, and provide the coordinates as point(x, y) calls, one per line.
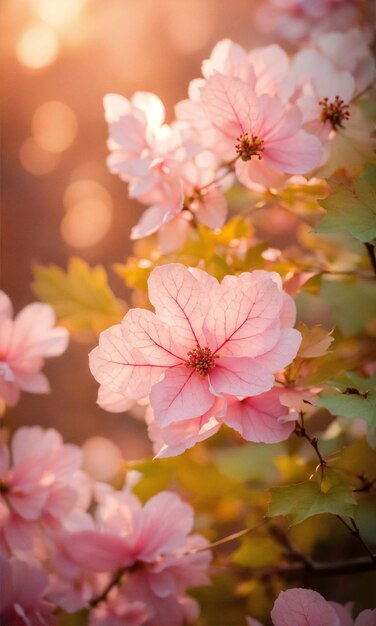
point(262, 133)
point(205, 341)
point(153, 545)
point(296, 607)
point(22, 598)
point(25, 343)
point(263, 418)
point(40, 483)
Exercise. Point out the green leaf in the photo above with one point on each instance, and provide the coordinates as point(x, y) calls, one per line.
point(80, 297)
point(303, 500)
point(257, 551)
point(347, 405)
point(353, 210)
point(358, 400)
point(353, 304)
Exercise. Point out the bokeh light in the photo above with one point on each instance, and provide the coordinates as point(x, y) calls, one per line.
point(102, 458)
point(54, 126)
point(38, 46)
point(86, 222)
point(59, 13)
point(36, 160)
point(85, 188)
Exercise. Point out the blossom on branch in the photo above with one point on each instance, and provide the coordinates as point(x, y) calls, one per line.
point(205, 344)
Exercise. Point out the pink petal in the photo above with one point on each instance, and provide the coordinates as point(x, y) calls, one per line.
point(96, 551)
point(298, 607)
point(173, 234)
point(366, 618)
point(231, 106)
point(113, 401)
point(6, 308)
point(283, 352)
point(122, 368)
point(244, 317)
point(152, 219)
point(240, 377)
point(181, 395)
point(231, 59)
point(298, 154)
point(261, 418)
point(35, 334)
point(165, 522)
point(181, 300)
point(144, 331)
point(212, 210)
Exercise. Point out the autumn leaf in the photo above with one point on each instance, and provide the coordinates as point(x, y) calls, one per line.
point(80, 297)
point(315, 341)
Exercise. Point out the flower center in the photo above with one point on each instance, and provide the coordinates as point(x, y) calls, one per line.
point(202, 359)
point(249, 147)
point(335, 112)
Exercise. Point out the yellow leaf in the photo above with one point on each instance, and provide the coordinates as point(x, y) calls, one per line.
point(316, 341)
point(80, 297)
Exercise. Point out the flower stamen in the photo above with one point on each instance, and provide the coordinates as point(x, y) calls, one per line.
point(335, 112)
point(202, 359)
point(249, 147)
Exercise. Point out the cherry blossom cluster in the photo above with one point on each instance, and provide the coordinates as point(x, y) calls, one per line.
point(68, 542)
point(25, 342)
point(296, 607)
point(302, 20)
point(207, 356)
point(258, 116)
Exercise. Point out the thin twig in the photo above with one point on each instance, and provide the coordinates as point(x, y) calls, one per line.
point(371, 253)
point(313, 441)
point(354, 530)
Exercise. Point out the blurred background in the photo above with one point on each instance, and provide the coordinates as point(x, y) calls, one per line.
point(59, 58)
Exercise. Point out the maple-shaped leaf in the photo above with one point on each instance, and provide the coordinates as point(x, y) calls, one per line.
point(303, 500)
point(352, 209)
point(315, 341)
point(80, 297)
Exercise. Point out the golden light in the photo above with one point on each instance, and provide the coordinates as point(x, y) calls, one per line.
point(38, 46)
point(187, 33)
point(102, 458)
point(85, 188)
point(35, 160)
point(59, 13)
point(86, 222)
point(54, 126)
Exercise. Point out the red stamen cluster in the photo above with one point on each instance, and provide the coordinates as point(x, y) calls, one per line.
point(249, 147)
point(335, 112)
point(201, 359)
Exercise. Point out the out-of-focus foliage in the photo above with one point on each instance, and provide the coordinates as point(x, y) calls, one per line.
point(352, 208)
point(81, 297)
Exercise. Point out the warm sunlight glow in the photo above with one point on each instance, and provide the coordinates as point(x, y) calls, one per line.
point(38, 46)
point(86, 188)
point(54, 126)
point(86, 223)
point(36, 160)
point(60, 13)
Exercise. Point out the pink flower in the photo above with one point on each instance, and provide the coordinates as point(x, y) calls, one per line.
point(263, 135)
point(25, 342)
point(42, 484)
point(23, 588)
point(152, 544)
point(295, 607)
point(325, 92)
point(205, 341)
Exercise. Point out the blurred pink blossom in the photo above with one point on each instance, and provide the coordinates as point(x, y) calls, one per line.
point(25, 342)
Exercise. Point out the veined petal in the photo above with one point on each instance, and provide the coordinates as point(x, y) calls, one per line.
point(240, 377)
point(181, 395)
